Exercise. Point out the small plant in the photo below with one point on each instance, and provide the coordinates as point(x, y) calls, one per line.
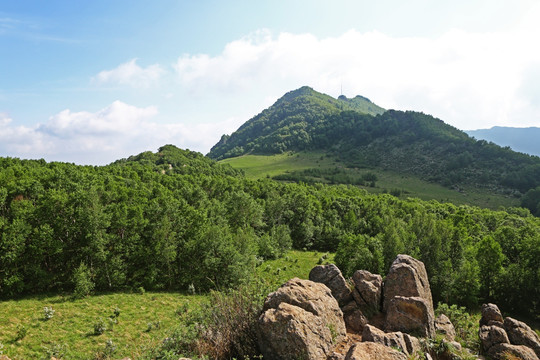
point(100, 327)
point(141, 290)
point(48, 313)
point(116, 312)
point(1, 348)
point(110, 347)
point(191, 289)
point(21, 332)
point(153, 325)
point(55, 350)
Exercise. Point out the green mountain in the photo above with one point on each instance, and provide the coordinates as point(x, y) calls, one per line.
point(363, 136)
point(286, 124)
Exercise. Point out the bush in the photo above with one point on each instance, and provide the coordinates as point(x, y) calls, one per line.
point(82, 279)
point(100, 327)
point(48, 313)
point(466, 325)
point(223, 328)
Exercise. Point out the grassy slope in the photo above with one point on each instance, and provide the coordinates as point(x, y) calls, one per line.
point(72, 325)
point(258, 166)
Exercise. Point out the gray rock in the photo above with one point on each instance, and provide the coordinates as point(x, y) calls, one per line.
point(368, 294)
point(407, 277)
point(520, 333)
point(371, 350)
point(410, 315)
point(490, 312)
point(503, 351)
point(354, 317)
point(300, 320)
point(444, 326)
point(492, 335)
point(331, 276)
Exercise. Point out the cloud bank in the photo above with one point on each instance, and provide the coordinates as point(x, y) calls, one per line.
point(98, 138)
point(467, 79)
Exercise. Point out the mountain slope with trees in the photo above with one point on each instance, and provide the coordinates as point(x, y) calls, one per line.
point(406, 142)
point(175, 219)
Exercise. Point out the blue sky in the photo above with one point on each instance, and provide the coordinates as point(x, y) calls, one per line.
point(93, 81)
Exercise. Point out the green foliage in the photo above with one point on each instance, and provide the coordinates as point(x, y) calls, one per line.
point(48, 313)
point(222, 328)
point(83, 282)
point(129, 225)
point(100, 326)
point(22, 331)
point(465, 324)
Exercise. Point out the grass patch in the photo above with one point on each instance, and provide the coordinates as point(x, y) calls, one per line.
point(70, 331)
point(260, 166)
point(294, 264)
point(70, 327)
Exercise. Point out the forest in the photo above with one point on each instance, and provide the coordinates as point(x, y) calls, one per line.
point(406, 142)
point(175, 220)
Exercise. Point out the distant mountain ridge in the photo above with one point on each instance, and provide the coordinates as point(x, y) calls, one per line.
point(525, 140)
point(360, 134)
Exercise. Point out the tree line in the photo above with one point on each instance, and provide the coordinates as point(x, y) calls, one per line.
point(175, 219)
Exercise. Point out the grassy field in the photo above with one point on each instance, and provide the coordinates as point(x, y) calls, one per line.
point(259, 166)
point(144, 319)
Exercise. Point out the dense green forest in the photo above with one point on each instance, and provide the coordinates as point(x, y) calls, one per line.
point(404, 142)
point(176, 219)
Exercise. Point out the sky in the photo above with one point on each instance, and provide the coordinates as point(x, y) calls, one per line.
point(90, 82)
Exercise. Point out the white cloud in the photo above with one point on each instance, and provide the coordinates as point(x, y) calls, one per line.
point(131, 74)
point(117, 131)
point(470, 80)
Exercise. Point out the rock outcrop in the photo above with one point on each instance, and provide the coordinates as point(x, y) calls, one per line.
point(505, 351)
point(444, 326)
point(331, 276)
point(371, 350)
point(410, 315)
point(520, 333)
point(406, 343)
point(367, 291)
point(502, 338)
point(408, 278)
point(490, 315)
point(300, 320)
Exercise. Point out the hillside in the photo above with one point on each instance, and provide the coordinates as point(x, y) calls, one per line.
point(523, 140)
point(408, 142)
point(287, 123)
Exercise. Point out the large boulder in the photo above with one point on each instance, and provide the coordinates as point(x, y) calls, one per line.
point(407, 277)
point(300, 320)
point(520, 333)
point(313, 297)
point(490, 315)
point(404, 342)
point(331, 276)
point(371, 350)
point(355, 320)
point(367, 291)
point(506, 351)
point(491, 335)
point(290, 332)
point(410, 315)
point(444, 326)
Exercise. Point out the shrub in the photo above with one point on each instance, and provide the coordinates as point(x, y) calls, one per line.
point(100, 327)
point(48, 313)
point(465, 324)
point(82, 279)
point(21, 332)
point(223, 328)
